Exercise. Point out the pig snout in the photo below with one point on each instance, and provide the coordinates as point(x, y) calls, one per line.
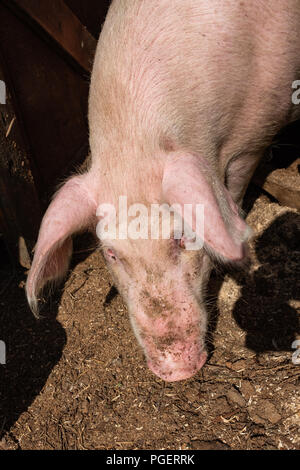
point(179, 363)
point(173, 343)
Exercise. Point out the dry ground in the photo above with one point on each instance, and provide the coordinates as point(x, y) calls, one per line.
point(78, 380)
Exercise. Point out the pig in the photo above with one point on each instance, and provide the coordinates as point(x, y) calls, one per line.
point(185, 97)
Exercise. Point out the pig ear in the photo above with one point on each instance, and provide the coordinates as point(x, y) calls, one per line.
point(188, 179)
point(73, 209)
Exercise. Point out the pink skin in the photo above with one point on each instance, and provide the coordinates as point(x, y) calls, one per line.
point(186, 182)
point(171, 370)
point(166, 308)
point(175, 352)
point(183, 103)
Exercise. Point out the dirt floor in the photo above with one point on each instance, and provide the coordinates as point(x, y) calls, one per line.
point(77, 378)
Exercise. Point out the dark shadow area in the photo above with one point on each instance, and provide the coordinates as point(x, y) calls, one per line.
point(33, 346)
point(213, 289)
point(263, 310)
point(112, 294)
point(283, 152)
point(286, 146)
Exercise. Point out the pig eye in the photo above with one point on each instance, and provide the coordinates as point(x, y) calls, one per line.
point(184, 241)
point(110, 255)
point(180, 242)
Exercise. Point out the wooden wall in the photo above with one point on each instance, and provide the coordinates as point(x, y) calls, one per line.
point(43, 125)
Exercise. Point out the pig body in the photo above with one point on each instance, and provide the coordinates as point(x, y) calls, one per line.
point(185, 97)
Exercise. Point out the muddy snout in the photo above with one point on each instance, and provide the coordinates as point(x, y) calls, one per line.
point(171, 326)
point(179, 360)
point(172, 371)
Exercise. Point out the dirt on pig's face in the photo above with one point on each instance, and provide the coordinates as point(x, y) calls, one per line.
point(163, 285)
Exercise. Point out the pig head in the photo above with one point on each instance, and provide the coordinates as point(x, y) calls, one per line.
point(162, 280)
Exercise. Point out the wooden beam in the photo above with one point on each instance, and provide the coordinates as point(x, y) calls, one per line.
point(56, 18)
